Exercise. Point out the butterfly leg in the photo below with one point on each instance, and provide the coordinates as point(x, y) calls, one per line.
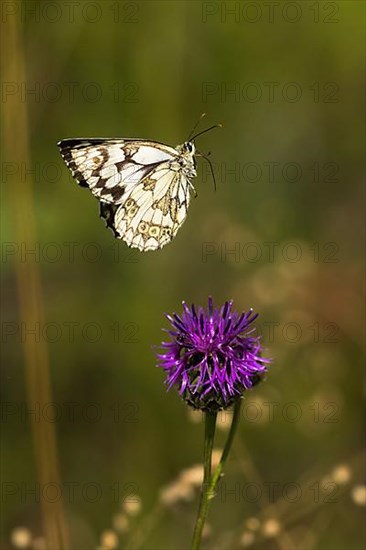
point(193, 189)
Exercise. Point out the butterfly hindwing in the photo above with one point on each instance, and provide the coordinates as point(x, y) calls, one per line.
point(154, 210)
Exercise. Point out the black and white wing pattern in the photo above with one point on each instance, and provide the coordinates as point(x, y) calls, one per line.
point(143, 186)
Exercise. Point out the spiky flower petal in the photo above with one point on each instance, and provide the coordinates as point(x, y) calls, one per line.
point(213, 356)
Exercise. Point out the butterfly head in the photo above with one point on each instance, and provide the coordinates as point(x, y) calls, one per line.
point(188, 148)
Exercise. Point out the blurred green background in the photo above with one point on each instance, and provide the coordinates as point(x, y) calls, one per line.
point(282, 234)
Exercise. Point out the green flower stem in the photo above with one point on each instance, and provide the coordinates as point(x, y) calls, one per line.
point(209, 485)
point(219, 468)
point(210, 426)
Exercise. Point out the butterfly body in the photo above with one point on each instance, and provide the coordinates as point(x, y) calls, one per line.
point(143, 186)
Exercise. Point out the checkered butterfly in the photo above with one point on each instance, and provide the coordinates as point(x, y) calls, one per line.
point(143, 187)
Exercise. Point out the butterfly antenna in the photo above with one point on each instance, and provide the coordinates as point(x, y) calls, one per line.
point(211, 167)
point(195, 126)
point(204, 131)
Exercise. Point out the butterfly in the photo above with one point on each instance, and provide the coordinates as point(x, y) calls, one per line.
point(143, 187)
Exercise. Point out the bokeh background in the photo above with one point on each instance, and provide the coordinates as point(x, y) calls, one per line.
point(283, 234)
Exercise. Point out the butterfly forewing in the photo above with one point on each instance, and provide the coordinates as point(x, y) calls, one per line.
point(142, 186)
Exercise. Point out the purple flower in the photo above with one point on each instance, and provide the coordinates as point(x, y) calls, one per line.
point(213, 356)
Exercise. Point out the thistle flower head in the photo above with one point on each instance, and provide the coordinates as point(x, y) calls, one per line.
point(213, 355)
